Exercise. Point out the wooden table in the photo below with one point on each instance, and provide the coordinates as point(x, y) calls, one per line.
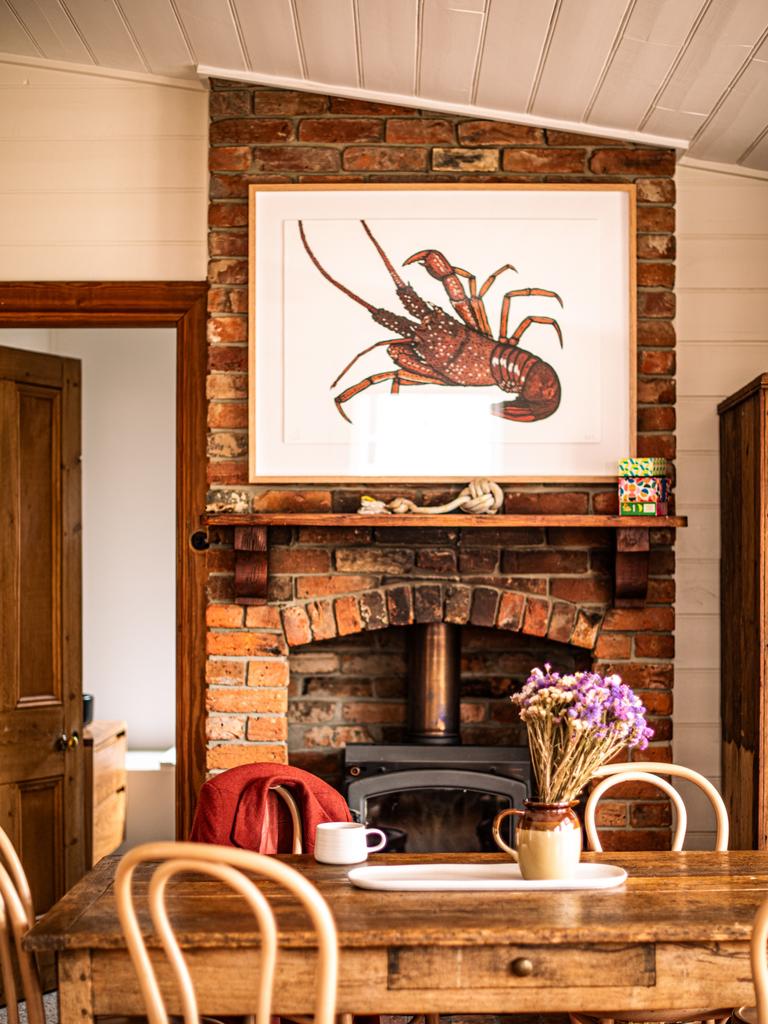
point(675, 934)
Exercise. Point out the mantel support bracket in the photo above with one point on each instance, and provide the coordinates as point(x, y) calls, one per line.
point(251, 568)
point(633, 552)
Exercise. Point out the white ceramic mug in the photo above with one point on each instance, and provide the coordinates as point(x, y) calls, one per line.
point(345, 842)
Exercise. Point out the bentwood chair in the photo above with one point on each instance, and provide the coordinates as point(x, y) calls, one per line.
point(16, 918)
point(236, 869)
point(757, 1014)
point(650, 772)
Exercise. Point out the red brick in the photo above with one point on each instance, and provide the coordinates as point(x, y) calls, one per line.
point(227, 444)
point(485, 602)
point(228, 271)
point(633, 161)
point(341, 105)
point(655, 190)
point(228, 243)
point(458, 600)
point(656, 333)
point(225, 727)
point(222, 329)
point(661, 563)
point(651, 275)
point(654, 752)
point(296, 626)
point(586, 630)
point(542, 161)
point(660, 417)
point(227, 358)
point(657, 702)
point(394, 561)
point(244, 132)
point(338, 129)
point(611, 814)
point(225, 673)
point(420, 131)
point(385, 158)
point(649, 618)
point(656, 362)
point(227, 215)
point(498, 133)
point(230, 103)
point(613, 645)
point(245, 643)
point(328, 736)
point(427, 603)
point(229, 158)
point(290, 104)
point(292, 501)
point(634, 839)
point(548, 561)
point(268, 673)
point(234, 754)
point(247, 700)
point(262, 616)
point(227, 414)
point(510, 613)
point(474, 560)
point(465, 159)
point(311, 712)
point(582, 590)
point(374, 713)
point(225, 616)
point(349, 536)
point(640, 675)
point(656, 218)
point(652, 392)
point(232, 471)
point(606, 503)
point(653, 646)
point(321, 620)
point(267, 728)
point(438, 561)
point(299, 560)
point(656, 247)
point(657, 445)
point(536, 617)
point(661, 591)
point(235, 186)
point(348, 618)
point(290, 159)
point(324, 586)
point(542, 502)
point(651, 815)
point(562, 622)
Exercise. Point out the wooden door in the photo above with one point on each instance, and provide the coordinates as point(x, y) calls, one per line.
point(41, 761)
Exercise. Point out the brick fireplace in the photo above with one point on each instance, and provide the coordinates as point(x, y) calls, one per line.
point(323, 662)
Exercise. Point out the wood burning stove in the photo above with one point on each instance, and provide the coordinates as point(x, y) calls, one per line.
point(433, 794)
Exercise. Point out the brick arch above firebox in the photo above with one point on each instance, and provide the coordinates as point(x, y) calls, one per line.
point(403, 604)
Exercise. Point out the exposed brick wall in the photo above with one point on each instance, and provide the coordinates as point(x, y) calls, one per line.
point(329, 584)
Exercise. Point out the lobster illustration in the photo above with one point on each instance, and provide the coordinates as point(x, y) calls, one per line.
point(436, 348)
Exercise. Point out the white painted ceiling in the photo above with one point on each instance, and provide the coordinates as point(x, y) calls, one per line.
point(678, 72)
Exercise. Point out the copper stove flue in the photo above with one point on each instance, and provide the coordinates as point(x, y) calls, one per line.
point(434, 684)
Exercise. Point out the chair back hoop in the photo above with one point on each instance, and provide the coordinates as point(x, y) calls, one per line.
point(231, 866)
point(13, 866)
point(757, 956)
point(649, 771)
point(293, 809)
point(14, 923)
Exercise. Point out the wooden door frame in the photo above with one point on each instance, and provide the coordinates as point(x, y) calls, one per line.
point(181, 304)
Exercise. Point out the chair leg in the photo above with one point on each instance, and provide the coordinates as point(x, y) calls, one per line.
point(432, 1018)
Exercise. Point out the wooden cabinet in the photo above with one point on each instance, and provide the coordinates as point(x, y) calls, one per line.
point(743, 611)
point(105, 746)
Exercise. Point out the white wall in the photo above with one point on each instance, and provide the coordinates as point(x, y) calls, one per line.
point(722, 328)
point(102, 176)
point(129, 496)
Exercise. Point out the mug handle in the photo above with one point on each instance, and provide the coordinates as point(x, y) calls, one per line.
point(497, 835)
point(380, 845)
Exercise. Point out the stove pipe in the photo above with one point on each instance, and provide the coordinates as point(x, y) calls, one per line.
point(434, 685)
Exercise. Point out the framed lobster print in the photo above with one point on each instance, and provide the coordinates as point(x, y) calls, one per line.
point(416, 332)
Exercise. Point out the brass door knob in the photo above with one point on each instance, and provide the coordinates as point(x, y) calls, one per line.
point(521, 967)
point(64, 742)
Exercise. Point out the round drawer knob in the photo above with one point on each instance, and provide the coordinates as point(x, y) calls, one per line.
point(521, 967)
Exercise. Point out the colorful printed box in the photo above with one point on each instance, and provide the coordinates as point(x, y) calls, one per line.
point(643, 467)
point(643, 495)
point(643, 508)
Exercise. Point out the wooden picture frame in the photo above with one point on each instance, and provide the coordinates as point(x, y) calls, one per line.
point(373, 356)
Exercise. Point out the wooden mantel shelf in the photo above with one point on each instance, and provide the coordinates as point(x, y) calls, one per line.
point(450, 519)
point(632, 541)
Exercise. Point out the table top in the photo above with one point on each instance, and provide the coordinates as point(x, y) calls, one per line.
point(668, 897)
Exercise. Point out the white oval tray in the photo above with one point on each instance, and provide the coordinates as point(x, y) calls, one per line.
point(491, 877)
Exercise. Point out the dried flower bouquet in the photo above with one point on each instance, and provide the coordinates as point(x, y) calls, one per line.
point(575, 724)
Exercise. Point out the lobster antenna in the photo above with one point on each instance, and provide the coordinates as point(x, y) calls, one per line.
point(394, 274)
point(327, 276)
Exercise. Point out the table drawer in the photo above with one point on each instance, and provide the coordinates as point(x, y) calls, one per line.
point(514, 967)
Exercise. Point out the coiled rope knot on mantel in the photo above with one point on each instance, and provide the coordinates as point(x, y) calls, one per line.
point(479, 497)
